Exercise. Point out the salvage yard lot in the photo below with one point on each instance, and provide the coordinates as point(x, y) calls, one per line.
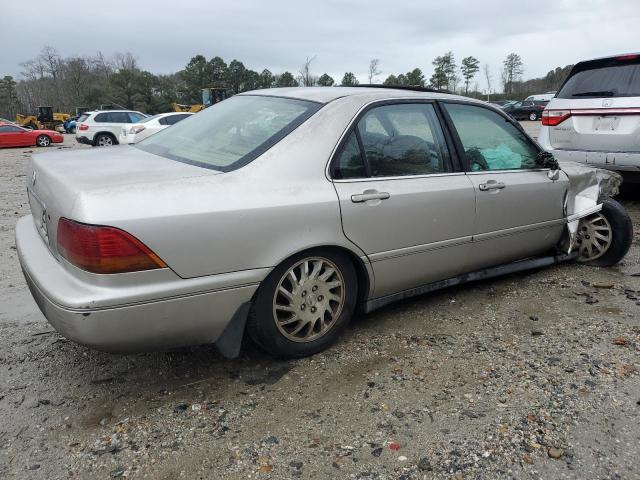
point(532, 375)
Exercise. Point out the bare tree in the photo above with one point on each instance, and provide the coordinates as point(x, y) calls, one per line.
point(488, 78)
point(304, 75)
point(374, 71)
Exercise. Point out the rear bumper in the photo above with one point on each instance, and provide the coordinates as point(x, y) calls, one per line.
point(120, 324)
point(625, 163)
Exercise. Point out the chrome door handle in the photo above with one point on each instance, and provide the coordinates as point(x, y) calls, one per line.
point(491, 185)
point(363, 197)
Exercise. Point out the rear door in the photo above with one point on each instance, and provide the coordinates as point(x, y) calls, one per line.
point(402, 201)
point(519, 209)
point(599, 105)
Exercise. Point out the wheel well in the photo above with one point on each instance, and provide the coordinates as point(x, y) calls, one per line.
point(362, 275)
point(95, 137)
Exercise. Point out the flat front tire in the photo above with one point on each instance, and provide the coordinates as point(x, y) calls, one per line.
point(304, 304)
point(605, 237)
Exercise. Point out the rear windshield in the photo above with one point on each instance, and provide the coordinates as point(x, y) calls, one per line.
point(618, 80)
point(83, 117)
point(231, 133)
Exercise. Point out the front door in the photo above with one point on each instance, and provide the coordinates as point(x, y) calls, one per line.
point(402, 202)
point(519, 209)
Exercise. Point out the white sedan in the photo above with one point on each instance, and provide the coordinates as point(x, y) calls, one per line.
point(145, 128)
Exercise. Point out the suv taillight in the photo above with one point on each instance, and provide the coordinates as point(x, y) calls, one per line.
point(551, 118)
point(82, 126)
point(103, 249)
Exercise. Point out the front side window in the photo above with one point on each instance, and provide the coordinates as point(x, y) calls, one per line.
point(232, 133)
point(9, 129)
point(490, 141)
point(403, 139)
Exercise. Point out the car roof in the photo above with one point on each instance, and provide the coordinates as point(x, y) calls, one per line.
point(328, 94)
point(103, 111)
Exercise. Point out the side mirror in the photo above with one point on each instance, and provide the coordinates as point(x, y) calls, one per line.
point(547, 160)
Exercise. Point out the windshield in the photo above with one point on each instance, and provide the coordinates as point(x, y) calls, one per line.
point(231, 133)
point(608, 81)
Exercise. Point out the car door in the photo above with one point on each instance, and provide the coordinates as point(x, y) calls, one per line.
point(13, 136)
point(519, 208)
point(401, 199)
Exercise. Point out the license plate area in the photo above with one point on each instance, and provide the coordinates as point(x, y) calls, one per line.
point(40, 216)
point(605, 124)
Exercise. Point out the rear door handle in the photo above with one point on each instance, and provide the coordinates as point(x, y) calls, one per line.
point(491, 185)
point(366, 196)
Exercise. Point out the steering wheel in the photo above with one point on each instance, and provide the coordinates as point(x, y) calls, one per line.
point(476, 158)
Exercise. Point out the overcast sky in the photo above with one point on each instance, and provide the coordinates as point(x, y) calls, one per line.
point(343, 34)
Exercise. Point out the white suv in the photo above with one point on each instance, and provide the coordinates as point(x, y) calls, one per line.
point(102, 128)
point(595, 116)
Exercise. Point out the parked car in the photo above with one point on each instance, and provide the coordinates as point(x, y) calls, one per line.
point(278, 212)
point(12, 135)
point(595, 118)
point(525, 110)
point(102, 128)
point(543, 97)
point(146, 127)
point(502, 103)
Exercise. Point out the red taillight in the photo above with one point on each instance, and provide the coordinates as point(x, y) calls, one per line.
point(552, 118)
point(83, 126)
point(102, 249)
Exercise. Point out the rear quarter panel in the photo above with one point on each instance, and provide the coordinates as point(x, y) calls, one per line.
point(253, 217)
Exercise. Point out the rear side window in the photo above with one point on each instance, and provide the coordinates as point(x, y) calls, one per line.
point(9, 129)
point(403, 139)
point(102, 117)
point(613, 79)
point(350, 163)
point(171, 119)
point(232, 133)
point(490, 141)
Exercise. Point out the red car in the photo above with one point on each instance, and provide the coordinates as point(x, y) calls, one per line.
point(14, 136)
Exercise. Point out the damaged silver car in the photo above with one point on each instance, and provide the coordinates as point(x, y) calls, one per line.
point(277, 213)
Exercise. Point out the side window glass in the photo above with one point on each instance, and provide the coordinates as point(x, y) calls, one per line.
point(403, 139)
point(164, 121)
point(490, 141)
point(135, 117)
point(102, 117)
point(349, 163)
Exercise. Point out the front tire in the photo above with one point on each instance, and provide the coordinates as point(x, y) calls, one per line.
point(533, 116)
point(105, 140)
point(605, 237)
point(43, 141)
point(304, 304)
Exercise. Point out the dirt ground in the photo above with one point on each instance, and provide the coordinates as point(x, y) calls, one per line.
point(532, 375)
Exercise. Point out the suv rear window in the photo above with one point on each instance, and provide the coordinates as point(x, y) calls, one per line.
point(608, 78)
point(231, 133)
point(82, 117)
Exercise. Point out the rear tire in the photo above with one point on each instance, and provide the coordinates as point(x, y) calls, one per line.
point(105, 140)
point(43, 141)
point(533, 116)
point(605, 237)
point(304, 304)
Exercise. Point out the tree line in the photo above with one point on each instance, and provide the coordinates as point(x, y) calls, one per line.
point(89, 81)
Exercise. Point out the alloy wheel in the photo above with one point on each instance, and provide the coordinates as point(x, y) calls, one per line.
point(105, 141)
point(594, 237)
point(309, 299)
point(43, 141)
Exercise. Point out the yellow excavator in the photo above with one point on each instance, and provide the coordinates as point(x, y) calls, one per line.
point(210, 96)
point(45, 119)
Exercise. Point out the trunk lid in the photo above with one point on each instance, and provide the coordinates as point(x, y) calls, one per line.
point(55, 180)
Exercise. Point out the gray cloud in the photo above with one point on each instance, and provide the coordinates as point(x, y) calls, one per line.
point(343, 35)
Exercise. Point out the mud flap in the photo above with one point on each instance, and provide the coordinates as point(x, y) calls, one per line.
point(229, 343)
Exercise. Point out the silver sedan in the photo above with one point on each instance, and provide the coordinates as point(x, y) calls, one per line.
point(277, 213)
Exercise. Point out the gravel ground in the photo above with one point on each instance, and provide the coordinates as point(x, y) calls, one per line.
point(532, 375)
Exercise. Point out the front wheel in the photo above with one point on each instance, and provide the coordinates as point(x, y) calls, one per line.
point(43, 141)
point(605, 237)
point(533, 116)
point(304, 304)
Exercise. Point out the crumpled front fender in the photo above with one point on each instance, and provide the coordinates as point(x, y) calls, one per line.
point(587, 187)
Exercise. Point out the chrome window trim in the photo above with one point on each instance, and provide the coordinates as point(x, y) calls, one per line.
point(400, 177)
point(510, 170)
